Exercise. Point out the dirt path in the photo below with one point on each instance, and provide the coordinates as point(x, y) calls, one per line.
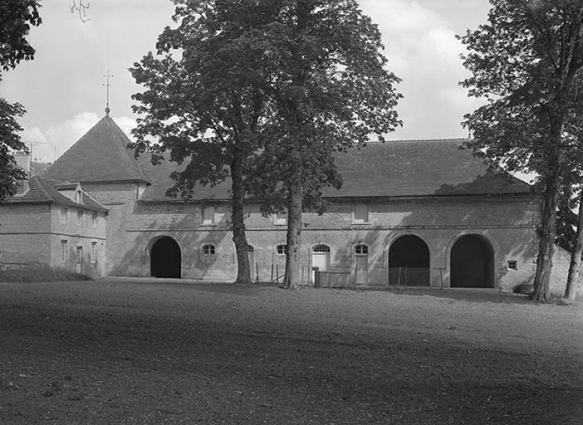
point(151, 352)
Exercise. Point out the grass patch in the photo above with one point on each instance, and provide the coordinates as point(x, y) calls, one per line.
point(40, 273)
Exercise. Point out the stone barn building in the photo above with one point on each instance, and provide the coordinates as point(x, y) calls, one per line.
point(410, 213)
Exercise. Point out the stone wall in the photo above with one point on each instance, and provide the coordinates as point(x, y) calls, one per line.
point(506, 224)
point(33, 234)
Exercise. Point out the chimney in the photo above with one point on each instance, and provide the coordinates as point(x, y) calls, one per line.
point(22, 159)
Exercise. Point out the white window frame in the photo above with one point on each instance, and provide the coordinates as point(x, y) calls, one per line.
point(284, 249)
point(361, 254)
point(210, 249)
point(280, 218)
point(209, 215)
point(356, 219)
point(64, 250)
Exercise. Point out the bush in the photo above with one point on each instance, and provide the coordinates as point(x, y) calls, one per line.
point(40, 273)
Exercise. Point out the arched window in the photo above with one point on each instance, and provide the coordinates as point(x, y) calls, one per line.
point(321, 248)
point(361, 249)
point(208, 249)
point(281, 249)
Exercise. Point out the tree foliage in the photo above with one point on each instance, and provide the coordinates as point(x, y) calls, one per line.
point(329, 90)
point(16, 19)
point(264, 92)
point(204, 103)
point(526, 62)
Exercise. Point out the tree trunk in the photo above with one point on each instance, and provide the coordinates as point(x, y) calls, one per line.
point(573, 279)
point(544, 261)
point(238, 222)
point(294, 230)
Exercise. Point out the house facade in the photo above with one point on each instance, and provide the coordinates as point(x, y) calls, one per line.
point(53, 223)
point(411, 213)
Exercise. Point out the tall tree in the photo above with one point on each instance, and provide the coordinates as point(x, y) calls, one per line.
point(266, 89)
point(525, 62)
point(572, 194)
point(203, 101)
point(16, 19)
point(329, 91)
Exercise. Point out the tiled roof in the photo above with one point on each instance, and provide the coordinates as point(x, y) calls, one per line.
point(391, 169)
point(419, 168)
point(43, 190)
point(99, 156)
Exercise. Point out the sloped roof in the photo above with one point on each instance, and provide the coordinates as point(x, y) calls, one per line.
point(420, 168)
point(46, 191)
point(391, 169)
point(101, 155)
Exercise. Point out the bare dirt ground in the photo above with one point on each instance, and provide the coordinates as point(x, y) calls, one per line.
point(150, 352)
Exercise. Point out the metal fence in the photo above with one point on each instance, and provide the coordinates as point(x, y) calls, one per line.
point(408, 276)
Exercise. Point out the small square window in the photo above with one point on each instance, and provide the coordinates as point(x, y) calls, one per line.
point(208, 249)
point(361, 249)
point(281, 249)
point(208, 215)
point(360, 214)
point(512, 265)
point(280, 218)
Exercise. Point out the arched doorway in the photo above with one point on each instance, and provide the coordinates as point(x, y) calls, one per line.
point(409, 262)
point(165, 258)
point(472, 263)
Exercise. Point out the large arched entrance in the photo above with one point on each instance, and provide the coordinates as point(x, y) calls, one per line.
point(472, 263)
point(409, 262)
point(165, 258)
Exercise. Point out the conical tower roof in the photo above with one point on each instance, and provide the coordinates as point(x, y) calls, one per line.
point(101, 155)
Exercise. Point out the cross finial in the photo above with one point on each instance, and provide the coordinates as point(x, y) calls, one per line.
point(108, 76)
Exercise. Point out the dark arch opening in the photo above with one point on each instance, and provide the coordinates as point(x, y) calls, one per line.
point(472, 263)
point(165, 258)
point(409, 262)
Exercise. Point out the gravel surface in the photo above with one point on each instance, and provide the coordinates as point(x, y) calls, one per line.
point(155, 352)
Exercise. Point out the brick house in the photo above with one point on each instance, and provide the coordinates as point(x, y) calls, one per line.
point(409, 213)
point(54, 223)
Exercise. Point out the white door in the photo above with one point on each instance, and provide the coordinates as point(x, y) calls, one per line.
point(320, 259)
point(361, 269)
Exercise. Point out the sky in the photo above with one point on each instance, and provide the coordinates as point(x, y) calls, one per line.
point(64, 88)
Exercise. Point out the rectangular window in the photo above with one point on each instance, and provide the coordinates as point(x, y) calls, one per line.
point(64, 215)
point(64, 250)
point(280, 218)
point(93, 252)
point(79, 255)
point(80, 218)
point(512, 265)
point(208, 215)
point(93, 219)
point(360, 213)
